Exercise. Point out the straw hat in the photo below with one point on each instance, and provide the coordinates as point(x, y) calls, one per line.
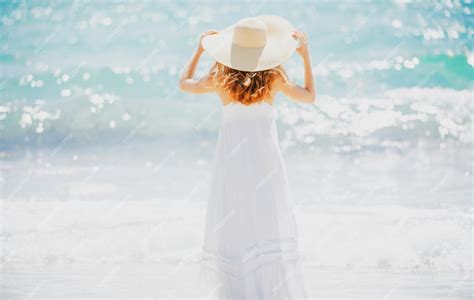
point(252, 44)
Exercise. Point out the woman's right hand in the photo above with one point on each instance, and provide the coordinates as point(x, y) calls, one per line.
point(302, 38)
point(204, 34)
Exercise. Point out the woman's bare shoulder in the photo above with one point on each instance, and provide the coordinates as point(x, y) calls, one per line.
point(223, 96)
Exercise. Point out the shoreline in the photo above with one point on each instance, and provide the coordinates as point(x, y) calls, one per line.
point(170, 281)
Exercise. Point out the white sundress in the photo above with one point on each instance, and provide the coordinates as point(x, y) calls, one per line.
point(250, 248)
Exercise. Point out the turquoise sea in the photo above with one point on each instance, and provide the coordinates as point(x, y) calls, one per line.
point(97, 143)
point(98, 69)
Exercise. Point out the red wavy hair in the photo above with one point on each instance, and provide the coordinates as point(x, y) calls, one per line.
point(246, 87)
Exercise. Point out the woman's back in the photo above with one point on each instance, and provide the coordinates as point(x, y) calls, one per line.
point(251, 239)
point(247, 147)
point(237, 111)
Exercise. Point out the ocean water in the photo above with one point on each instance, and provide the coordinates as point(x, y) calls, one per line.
point(99, 147)
point(100, 71)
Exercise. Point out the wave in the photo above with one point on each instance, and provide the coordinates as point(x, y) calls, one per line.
point(403, 116)
point(375, 237)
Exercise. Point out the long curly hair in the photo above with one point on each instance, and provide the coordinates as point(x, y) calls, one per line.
point(245, 87)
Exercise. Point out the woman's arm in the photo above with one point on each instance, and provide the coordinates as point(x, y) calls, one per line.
point(306, 94)
point(186, 81)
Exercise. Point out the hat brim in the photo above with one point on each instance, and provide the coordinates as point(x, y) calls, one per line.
point(279, 47)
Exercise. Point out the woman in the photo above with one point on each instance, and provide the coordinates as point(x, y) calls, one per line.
point(250, 249)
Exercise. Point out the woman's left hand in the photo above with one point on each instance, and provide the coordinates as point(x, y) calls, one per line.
point(302, 38)
point(204, 34)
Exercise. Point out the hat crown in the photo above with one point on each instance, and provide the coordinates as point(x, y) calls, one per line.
point(250, 33)
point(252, 44)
